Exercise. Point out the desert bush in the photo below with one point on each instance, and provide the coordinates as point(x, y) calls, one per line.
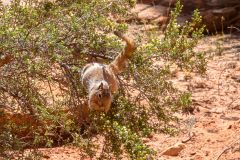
point(44, 44)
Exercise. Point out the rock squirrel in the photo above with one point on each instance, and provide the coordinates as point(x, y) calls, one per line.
point(100, 80)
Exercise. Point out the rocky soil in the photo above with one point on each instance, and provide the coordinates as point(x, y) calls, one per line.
point(216, 14)
point(213, 131)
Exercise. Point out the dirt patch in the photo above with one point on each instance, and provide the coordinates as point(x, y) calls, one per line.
point(215, 126)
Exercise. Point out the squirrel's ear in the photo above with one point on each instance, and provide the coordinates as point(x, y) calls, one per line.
point(100, 86)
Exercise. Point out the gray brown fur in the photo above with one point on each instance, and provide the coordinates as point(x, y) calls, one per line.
point(100, 80)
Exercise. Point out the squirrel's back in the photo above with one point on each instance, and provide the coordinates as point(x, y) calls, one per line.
point(96, 72)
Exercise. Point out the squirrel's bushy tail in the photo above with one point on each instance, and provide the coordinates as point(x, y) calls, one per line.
point(119, 63)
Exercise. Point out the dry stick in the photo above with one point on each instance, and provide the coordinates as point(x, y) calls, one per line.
point(228, 148)
point(224, 69)
point(51, 91)
point(232, 27)
point(100, 56)
point(189, 137)
point(234, 100)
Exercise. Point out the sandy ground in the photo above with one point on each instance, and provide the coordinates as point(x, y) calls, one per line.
point(215, 124)
point(5, 2)
point(216, 121)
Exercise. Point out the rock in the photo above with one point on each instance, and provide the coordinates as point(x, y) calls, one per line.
point(212, 22)
point(168, 3)
point(192, 153)
point(190, 5)
point(145, 140)
point(236, 78)
point(148, 1)
point(231, 65)
point(212, 130)
point(145, 1)
point(227, 12)
point(151, 135)
point(174, 150)
point(236, 107)
point(217, 14)
point(5, 2)
point(230, 118)
point(161, 20)
point(140, 7)
point(198, 157)
point(181, 20)
point(217, 110)
point(46, 156)
point(222, 3)
point(152, 13)
point(197, 109)
point(215, 19)
point(134, 13)
point(149, 27)
point(200, 4)
point(207, 153)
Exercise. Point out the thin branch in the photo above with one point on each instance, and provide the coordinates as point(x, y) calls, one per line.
point(70, 77)
point(190, 135)
point(232, 27)
point(50, 88)
point(95, 55)
point(20, 98)
point(234, 100)
point(58, 80)
point(227, 148)
point(220, 75)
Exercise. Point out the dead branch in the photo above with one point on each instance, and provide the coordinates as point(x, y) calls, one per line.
point(95, 55)
point(232, 27)
point(220, 75)
point(19, 98)
point(189, 137)
point(227, 148)
point(91, 53)
point(27, 124)
point(234, 100)
point(55, 79)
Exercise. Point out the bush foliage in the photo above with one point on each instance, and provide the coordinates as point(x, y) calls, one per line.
point(46, 43)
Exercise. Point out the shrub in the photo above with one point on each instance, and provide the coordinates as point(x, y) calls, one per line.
point(44, 44)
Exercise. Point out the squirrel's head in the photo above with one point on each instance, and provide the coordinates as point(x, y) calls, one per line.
point(100, 97)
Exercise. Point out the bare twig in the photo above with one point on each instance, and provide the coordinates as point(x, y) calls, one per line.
point(234, 100)
point(189, 137)
point(232, 27)
point(100, 56)
point(224, 69)
point(50, 88)
point(58, 80)
point(227, 148)
point(19, 98)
